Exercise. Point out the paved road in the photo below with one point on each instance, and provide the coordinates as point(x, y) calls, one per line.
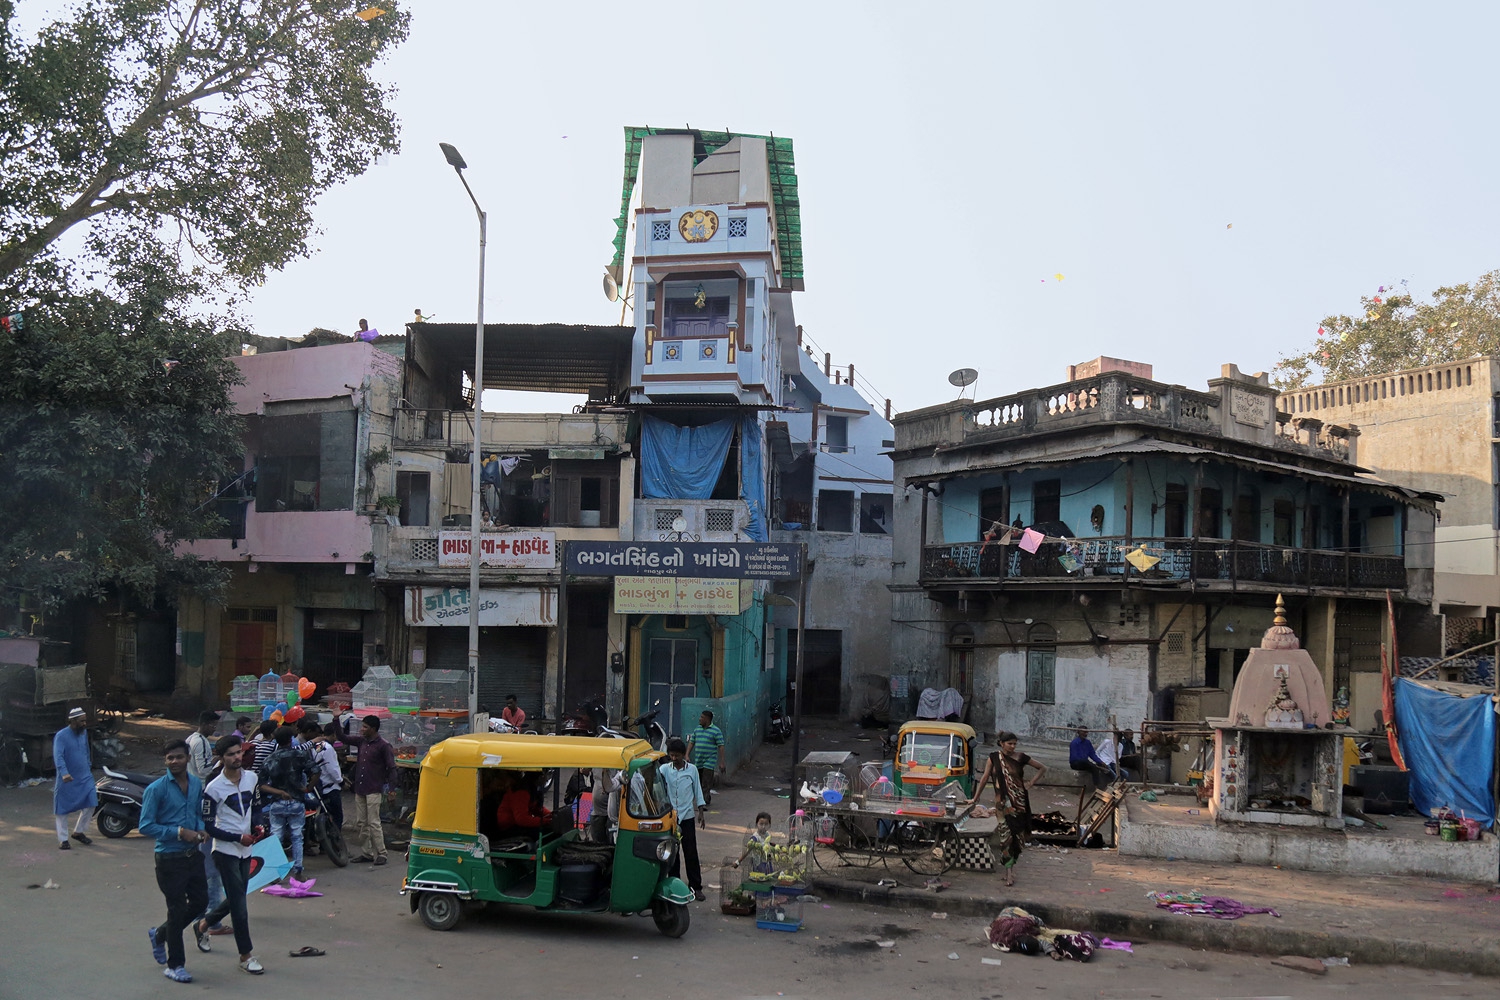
point(87, 938)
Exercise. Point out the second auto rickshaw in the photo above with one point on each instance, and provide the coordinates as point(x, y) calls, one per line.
point(451, 861)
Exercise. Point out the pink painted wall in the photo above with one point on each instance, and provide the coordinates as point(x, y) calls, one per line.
point(306, 536)
point(308, 373)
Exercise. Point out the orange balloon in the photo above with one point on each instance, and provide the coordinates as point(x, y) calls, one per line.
point(305, 688)
point(277, 717)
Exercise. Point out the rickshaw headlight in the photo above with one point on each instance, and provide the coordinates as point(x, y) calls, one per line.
point(664, 849)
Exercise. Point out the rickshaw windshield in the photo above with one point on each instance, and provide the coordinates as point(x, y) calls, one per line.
point(942, 750)
point(648, 792)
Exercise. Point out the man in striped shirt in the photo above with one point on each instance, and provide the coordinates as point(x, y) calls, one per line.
point(705, 750)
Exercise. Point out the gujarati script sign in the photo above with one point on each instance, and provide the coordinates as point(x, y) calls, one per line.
point(716, 560)
point(513, 549)
point(676, 595)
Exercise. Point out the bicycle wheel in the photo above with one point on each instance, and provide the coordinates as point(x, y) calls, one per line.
point(929, 850)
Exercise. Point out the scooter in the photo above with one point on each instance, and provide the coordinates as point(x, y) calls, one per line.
point(643, 727)
point(779, 727)
point(120, 796)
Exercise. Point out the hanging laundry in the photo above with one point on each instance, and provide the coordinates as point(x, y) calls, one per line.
point(508, 464)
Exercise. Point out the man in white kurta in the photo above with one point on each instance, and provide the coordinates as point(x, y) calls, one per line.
point(73, 796)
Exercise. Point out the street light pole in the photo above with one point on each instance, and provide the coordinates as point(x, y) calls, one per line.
point(797, 689)
point(456, 161)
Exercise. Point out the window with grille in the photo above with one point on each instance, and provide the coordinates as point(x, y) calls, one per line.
point(738, 227)
point(718, 519)
point(661, 231)
point(1176, 643)
point(424, 550)
point(664, 516)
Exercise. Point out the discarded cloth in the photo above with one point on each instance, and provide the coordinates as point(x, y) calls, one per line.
point(294, 889)
point(1199, 905)
point(1016, 930)
point(1116, 945)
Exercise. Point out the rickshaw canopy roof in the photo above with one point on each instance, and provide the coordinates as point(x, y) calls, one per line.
point(937, 726)
point(522, 752)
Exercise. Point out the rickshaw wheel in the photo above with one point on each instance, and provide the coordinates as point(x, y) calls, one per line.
point(439, 910)
point(672, 919)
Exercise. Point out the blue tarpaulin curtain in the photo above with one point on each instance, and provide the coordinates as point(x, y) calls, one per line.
point(682, 462)
point(1449, 745)
point(753, 475)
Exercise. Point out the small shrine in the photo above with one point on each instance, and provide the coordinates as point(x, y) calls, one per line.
point(1276, 760)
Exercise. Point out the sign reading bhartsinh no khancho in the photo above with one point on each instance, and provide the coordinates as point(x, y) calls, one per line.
point(717, 560)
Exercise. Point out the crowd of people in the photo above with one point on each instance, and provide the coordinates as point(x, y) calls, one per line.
point(218, 798)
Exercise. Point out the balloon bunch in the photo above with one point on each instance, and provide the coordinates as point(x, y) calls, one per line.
point(297, 689)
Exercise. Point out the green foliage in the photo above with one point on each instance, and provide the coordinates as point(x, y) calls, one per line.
point(210, 126)
point(1394, 331)
point(111, 452)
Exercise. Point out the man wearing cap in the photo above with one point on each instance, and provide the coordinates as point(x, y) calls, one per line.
point(73, 796)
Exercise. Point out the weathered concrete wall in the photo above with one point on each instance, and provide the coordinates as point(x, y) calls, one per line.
point(1305, 849)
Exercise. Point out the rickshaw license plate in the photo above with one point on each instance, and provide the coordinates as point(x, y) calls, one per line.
point(431, 850)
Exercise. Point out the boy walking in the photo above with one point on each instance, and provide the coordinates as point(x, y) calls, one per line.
point(171, 814)
point(227, 804)
point(706, 751)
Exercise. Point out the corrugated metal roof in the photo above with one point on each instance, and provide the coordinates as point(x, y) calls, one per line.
point(538, 357)
point(783, 173)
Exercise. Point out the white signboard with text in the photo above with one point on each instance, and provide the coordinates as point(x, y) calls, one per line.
point(512, 549)
point(438, 606)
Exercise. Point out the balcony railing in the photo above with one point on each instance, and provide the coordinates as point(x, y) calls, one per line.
point(1202, 560)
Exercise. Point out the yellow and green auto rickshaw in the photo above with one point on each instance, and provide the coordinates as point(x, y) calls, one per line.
point(931, 753)
point(452, 859)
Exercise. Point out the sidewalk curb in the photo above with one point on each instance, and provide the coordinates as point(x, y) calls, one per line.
point(1195, 932)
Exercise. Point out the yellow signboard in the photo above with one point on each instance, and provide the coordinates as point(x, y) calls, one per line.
point(676, 595)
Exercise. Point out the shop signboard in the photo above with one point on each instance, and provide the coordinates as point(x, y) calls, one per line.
point(676, 595)
point(713, 560)
point(507, 549)
point(428, 607)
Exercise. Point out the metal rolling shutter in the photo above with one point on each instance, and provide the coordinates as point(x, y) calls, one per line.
point(512, 660)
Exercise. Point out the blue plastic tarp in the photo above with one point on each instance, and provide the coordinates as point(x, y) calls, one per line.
point(753, 475)
point(682, 463)
point(1449, 745)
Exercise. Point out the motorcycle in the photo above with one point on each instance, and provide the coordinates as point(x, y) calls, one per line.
point(120, 795)
point(320, 829)
point(642, 727)
point(779, 727)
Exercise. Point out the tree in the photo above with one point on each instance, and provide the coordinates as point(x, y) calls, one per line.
point(1394, 331)
point(116, 424)
point(211, 126)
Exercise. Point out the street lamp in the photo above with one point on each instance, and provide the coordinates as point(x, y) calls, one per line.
point(800, 603)
point(456, 161)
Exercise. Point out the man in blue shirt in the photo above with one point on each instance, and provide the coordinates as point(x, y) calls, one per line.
point(1082, 757)
point(686, 794)
point(171, 813)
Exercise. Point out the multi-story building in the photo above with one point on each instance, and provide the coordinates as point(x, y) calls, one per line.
point(1437, 429)
point(1163, 523)
point(298, 538)
point(831, 455)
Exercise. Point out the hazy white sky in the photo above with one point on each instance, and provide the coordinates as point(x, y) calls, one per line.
point(952, 159)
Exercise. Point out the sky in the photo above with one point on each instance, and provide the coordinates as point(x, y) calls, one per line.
point(1210, 180)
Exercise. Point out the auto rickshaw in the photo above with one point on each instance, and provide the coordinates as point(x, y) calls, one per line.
point(930, 753)
point(450, 861)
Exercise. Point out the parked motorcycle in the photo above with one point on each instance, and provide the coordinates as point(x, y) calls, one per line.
point(120, 796)
point(779, 726)
point(643, 727)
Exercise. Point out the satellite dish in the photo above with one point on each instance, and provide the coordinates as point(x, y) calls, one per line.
point(964, 377)
point(611, 287)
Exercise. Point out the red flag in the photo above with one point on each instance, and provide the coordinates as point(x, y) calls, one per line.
point(1388, 685)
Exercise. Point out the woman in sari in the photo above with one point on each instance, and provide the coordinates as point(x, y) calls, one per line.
point(1006, 769)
